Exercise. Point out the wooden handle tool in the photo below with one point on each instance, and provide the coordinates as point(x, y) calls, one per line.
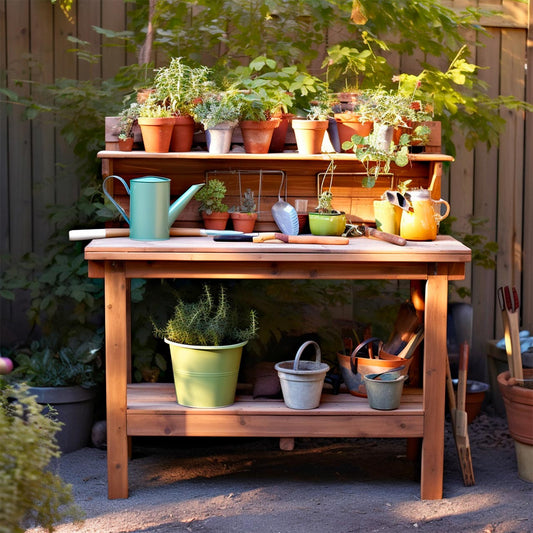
point(292, 239)
point(366, 231)
point(106, 233)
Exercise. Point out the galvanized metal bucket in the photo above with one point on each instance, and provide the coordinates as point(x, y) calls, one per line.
point(384, 395)
point(302, 381)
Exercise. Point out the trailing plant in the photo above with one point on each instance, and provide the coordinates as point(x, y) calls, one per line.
point(32, 494)
point(128, 119)
point(208, 322)
point(210, 197)
point(377, 158)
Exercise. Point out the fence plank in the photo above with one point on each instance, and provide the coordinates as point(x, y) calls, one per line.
point(89, 15)
point(42, 133)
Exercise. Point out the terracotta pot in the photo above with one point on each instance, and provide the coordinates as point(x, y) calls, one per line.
point(126, 146)
point(518, 402)
point(257, 135)
point(215, 220)
point(244, 222)
point(182, 134)
point(309, 135)
point(156, 133)
point(348, 124)
point(279, 136)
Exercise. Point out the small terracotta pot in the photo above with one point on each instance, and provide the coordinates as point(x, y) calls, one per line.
point(257, 134)
point(182, 134)
point(125, 146)
point(348, 124)
point(309, 135)
point(244, 222)
point(215, 220)
point(156, 133)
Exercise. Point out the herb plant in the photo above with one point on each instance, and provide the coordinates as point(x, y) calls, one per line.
point(210, 197)
point(208, 322)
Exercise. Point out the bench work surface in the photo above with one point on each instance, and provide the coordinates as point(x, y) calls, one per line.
point(151, 409)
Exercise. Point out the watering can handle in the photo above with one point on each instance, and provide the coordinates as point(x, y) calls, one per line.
point(120, 210)
point(300, 351)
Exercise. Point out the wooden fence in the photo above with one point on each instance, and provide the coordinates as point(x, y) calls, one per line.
point(491, 184)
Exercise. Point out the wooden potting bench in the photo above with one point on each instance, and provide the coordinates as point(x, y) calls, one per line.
point(151, 409)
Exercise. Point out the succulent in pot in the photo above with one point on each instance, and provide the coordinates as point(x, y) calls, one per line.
point(245, 216)
point(127, 120)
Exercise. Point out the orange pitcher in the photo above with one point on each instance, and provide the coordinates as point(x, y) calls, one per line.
point(421, 224)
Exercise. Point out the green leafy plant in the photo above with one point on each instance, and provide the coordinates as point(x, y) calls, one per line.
point(211, 197)
point(208, 322)
point(178, 85)
point(152, 108)
point(45, 363)
point(217, 108)
point(31, 492)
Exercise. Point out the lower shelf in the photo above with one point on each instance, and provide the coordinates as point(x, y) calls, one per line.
point(153, 411)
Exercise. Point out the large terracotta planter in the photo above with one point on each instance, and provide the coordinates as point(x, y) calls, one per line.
point(257, 134)
point(518, 403)
point(182, 134)
point(309, 135)
point(156, 133)
point(348, 124)
point(279, 136)
point(215, 220)
point(244, 222)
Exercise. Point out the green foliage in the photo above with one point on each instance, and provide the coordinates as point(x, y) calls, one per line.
point(210, 197)
point(208, 322)
point(248, 202)
point(31, 492)
point(178, 85)
point(217, 108)
point(151, 108)
point(46, 363)
point(128, 119)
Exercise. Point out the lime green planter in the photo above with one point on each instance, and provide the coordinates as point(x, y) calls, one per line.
point(205, 376)
point(327, 223)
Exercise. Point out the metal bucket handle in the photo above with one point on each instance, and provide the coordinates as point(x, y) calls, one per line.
point(357, 349)
point(300, 351)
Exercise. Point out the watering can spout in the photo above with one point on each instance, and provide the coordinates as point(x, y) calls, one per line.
point(179, 205)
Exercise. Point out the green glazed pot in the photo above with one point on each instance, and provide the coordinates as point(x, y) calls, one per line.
point(327, 223)
point(205, 376)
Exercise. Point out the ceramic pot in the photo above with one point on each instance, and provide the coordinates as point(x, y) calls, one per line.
point(219, 138)
point(244, 222)
point(327, 223)
point(205, 376)
point(279, 135)
point(309, 135)
point(518, 401)
point(348, 124)
point(215, 220)
point(156, 133)
point(125, 146)
point(257, 134)
point(182, 134)
point(421, 224)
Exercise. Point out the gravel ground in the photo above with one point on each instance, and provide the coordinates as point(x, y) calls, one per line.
point(322, 486)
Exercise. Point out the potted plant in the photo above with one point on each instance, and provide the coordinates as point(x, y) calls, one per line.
point(212, 208)
point(256, 123)
point(219, 114)
point(127, 120)
point(245, 216)
point(310, 133)
point(156, 123)
point(32, 492)
point(326, 220)
point(206, 338)
point(65, 378)
point(178, 86)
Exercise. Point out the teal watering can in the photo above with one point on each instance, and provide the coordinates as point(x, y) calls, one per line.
point(151, 214)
